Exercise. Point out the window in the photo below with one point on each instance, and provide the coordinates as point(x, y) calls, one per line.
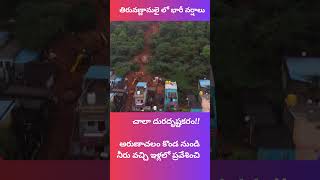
point(172, 95)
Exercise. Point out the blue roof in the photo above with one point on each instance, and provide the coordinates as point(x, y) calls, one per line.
point(141, 84)
point(97, 72)
point(118, 79)
point(5, 107)
point(301, 69)
point(26, 56)
point(205, 83)
point(196, 110)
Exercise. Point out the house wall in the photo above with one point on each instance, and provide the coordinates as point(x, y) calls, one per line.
point(6, 121)
point(50, 82)
point(6, 70)
point(89, 123)
point(19, 71)
point(167, 99)
point(285, 77)
point(288, 119)
point(205, 104)
point(138, 100)
point(306, 138)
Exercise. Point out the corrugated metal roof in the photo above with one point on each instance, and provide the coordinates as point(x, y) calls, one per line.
point(142, 84)
point(5, 107)
point(26, 56)
point(116, 80)
point(97, 72)
point(302, 68)
point(204, 83)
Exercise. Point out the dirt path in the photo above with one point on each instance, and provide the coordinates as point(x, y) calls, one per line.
point(141, 59)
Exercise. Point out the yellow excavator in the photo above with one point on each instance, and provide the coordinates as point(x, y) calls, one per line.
point(80, 58)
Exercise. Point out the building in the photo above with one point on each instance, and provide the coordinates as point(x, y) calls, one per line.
point(6, 107)
point(213, 107)
point(274, 143)
point(140, 96)
point(301, 80)
point(266, 133)
point(118, 92)
point(24, 57)
point(213, 117)
point(93, 112)
point(193, 103)
point(171, 96)
point(7, 141)
point(204, 94)
point(7, 59)
point(115, 81)
point(39, 75)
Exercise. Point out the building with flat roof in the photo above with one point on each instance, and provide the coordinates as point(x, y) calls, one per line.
point(301, 77)
point(171, 96)
point(140, 96)
point(93, 109)
point(7, 58)
point(204, 94)
point(24, 57)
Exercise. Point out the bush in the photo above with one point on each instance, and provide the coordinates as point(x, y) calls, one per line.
point(121, 69)
point(134, 67)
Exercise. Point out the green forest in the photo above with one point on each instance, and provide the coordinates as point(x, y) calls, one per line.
point(36, 23)
point(126, 41)
point(251, 39)
point(181, 52)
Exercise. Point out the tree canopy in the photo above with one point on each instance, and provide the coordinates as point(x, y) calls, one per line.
point(181, 52)
point(38, 22)
point(252, 38)
point(250, 41)
point(126, 41)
